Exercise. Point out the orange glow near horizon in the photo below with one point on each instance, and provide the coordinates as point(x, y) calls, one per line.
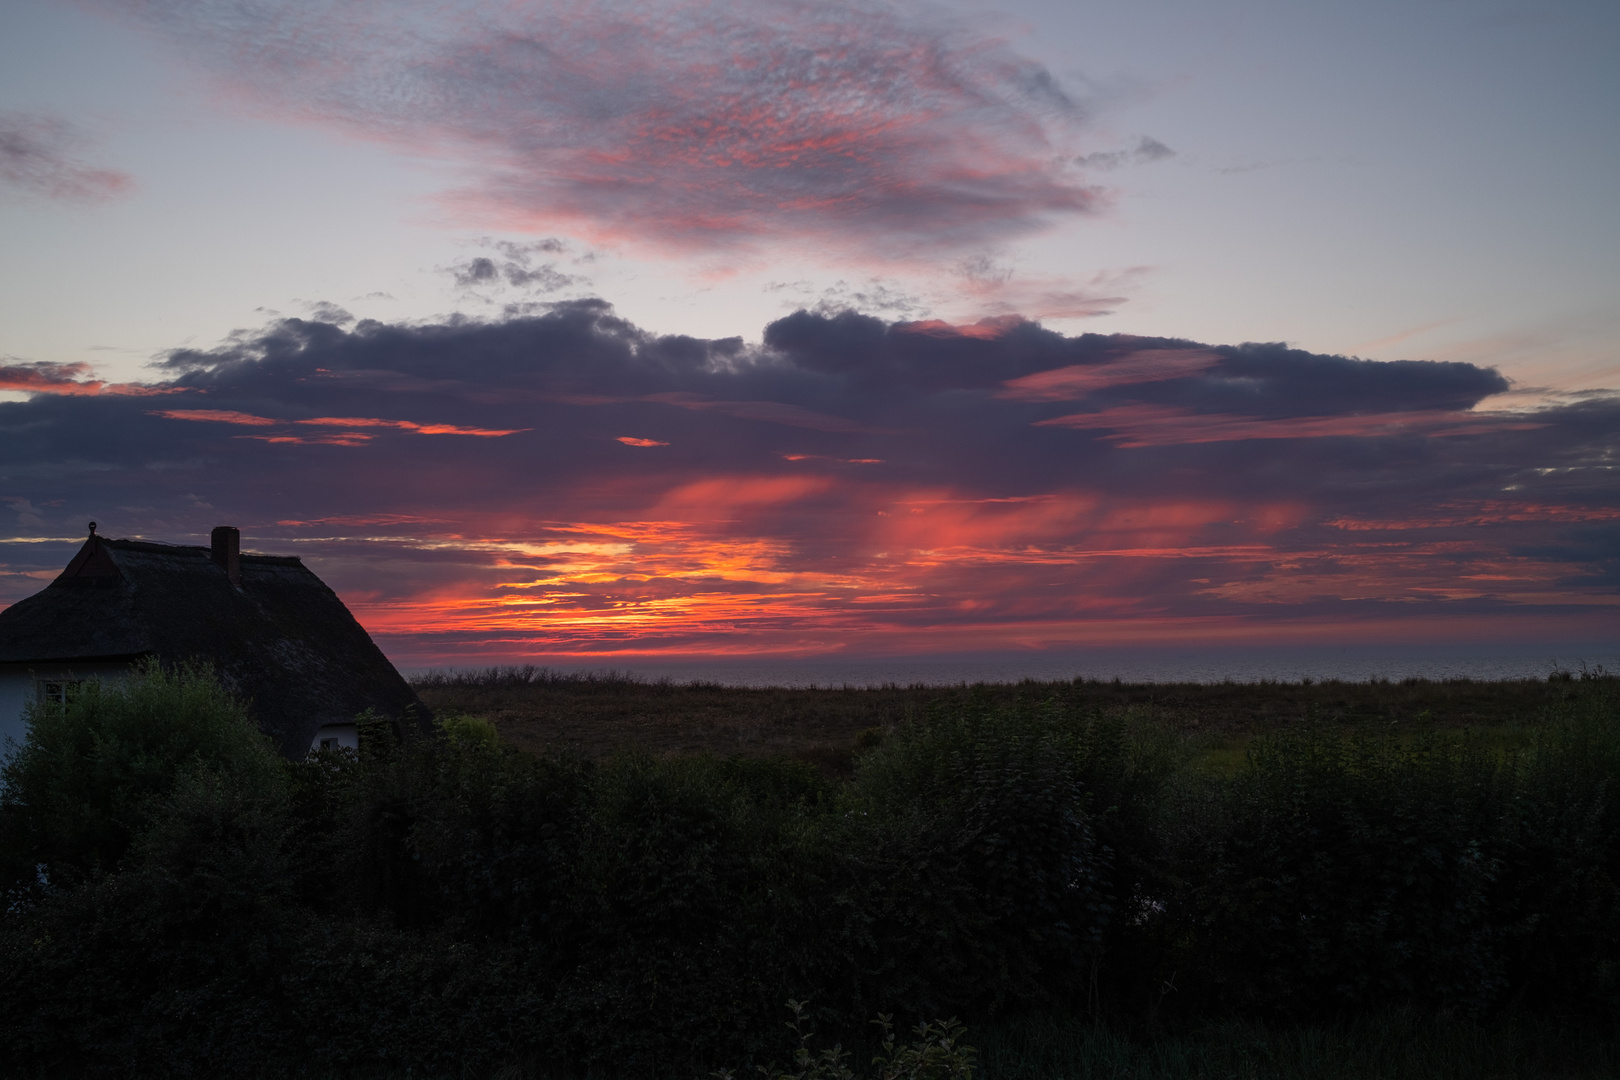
point(916, 571)
point(854, 487)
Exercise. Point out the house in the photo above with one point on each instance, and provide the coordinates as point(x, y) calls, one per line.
point(273, 632)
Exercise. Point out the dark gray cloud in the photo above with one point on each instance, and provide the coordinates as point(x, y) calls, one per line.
point(1146, 151)
point(970, 466)
point(514, 265)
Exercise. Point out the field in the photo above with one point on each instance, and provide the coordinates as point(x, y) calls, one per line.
point(536, 710)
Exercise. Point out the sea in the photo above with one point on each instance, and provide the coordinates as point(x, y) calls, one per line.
point(1205, 665)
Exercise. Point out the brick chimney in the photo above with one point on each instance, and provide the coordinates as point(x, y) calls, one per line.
point(225, 546)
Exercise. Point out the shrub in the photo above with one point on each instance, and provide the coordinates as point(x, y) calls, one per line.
point(93, 771)
point(446, 904)
point(1342, 872)
point(935, 1053)
point(996, 888)
point(1559, 895)
point(463, 730)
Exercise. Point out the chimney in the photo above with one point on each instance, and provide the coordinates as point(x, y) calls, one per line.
point(225, 547)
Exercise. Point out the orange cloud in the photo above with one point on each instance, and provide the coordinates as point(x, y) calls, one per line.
point(630, 441)
point(218, 416)
point(349, 438)
point(726, 494)
point(43, 377)
point(407, 425)
point(719, 574)
point(346, 438)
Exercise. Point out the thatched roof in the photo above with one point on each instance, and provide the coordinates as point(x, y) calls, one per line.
point(278, 637)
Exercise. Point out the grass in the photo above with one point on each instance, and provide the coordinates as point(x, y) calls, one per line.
point(1390, 1048)
point(597, 714)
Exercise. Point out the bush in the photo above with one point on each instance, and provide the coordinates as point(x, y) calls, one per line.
point(93, 771)
point(1342, 872)
point(996, 888)
point(446, 904)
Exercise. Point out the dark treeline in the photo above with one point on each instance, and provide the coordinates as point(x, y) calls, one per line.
point(179, 900)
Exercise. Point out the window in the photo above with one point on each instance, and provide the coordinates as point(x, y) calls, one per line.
point(57, 691)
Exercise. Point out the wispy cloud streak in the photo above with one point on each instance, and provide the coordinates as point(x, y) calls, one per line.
point(38, 159)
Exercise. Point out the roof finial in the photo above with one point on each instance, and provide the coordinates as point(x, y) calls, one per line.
point(92, 528)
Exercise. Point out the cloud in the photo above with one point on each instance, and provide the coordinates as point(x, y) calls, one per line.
point(1146, 151)
point(217, 416)
point(1157, 425)
point(227, 416)
point(46, 377)
point(876, 296)
point(1078, 380)
point(37, 160)
point(328, 312)
point(774, 412)
point(677, 125)
point(852, 483)
point(514, 266)
point(999, 289)
point(28, 515)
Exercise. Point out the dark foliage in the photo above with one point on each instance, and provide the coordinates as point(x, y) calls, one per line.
point(181, 901)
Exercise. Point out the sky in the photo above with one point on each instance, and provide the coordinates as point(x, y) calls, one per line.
point(595, 331)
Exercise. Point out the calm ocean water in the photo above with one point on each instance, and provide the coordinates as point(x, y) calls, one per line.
point(1352, 664)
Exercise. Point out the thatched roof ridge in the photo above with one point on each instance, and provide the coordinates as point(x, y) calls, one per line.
point(280, 637)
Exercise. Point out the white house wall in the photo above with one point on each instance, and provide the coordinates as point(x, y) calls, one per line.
point(336, 737)
point(19, 687)
point(16, 691)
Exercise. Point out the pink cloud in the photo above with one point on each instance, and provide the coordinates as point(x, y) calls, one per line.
point(986, 329)
point(631, 441)
point(1076, 381)
point(681, 124)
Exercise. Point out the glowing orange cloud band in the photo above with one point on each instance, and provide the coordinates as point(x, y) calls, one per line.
point(225, 416)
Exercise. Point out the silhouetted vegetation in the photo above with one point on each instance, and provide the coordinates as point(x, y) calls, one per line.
point(600, 713)
point(1067, 875)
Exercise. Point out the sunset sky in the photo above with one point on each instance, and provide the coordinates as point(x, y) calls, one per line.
point(601, 331)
